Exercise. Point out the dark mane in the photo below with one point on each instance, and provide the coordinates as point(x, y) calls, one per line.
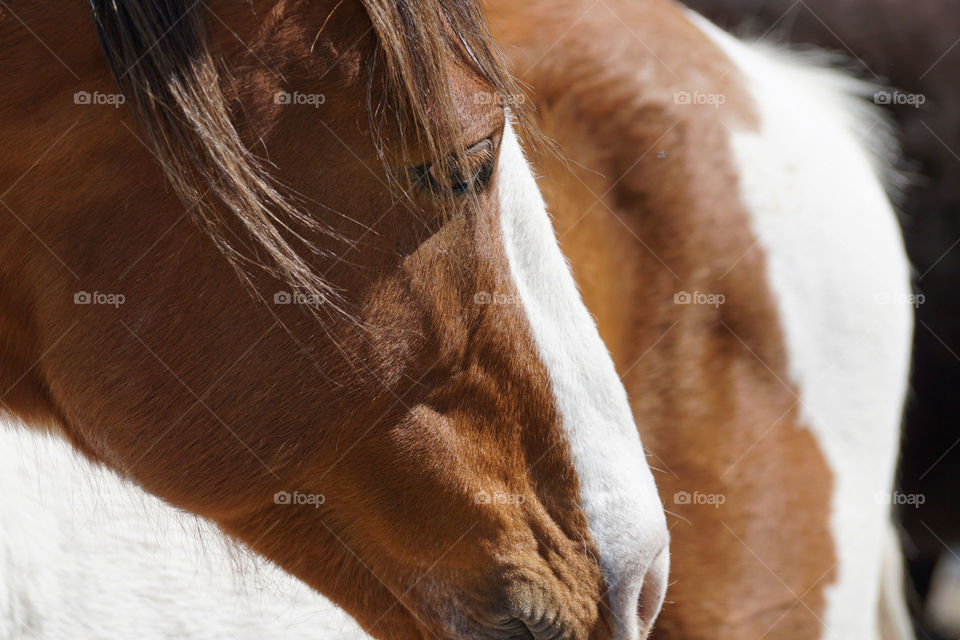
point(161, 57)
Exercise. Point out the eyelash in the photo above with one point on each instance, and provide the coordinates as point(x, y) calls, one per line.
point(480, 159)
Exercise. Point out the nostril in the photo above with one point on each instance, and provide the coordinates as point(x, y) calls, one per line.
point(635, 601)
point(653, 591)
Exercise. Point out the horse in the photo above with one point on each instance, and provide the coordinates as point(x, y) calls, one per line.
point(369, 362)
point(310, 366)
point(913, 50)
point(718, 160)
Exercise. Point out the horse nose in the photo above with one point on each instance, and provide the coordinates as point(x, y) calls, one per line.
point(631, 610)
point(536, 599)
point(653, 590)
point(636, 602)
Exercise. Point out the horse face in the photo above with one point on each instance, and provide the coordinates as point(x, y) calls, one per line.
point(451, 453)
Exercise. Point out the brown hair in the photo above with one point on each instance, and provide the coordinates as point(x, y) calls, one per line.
point(160, 55)
point(415, 40)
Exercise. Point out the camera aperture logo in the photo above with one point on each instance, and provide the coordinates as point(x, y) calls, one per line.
point(696, 297)
point(96, 98)
point(110, 299)
point(912, 299)
point(295, 297)
point(299, 499)
point(486, 297)
point(697, 98)
point(498, 99)
point(899, 499)
point(497, 497)
point(296, 98)
point(899, 98)
point(697, 498)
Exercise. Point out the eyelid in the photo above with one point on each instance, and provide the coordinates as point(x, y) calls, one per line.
point(478, 176)
point(476, 148)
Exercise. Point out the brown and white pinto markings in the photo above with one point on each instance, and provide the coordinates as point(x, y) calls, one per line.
point(481, 472)
point(481, 466)
point(705, 166)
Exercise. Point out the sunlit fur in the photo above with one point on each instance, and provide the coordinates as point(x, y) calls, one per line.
point(457, 413)
point(376, 368)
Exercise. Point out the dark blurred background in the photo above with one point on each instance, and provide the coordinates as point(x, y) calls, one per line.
point(913, 47)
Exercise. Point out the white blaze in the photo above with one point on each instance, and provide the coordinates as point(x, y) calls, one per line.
point(617, 492)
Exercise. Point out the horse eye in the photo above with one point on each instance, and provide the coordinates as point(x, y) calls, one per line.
point(449, 177)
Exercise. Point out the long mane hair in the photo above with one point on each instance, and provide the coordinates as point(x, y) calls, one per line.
point(162, 59)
